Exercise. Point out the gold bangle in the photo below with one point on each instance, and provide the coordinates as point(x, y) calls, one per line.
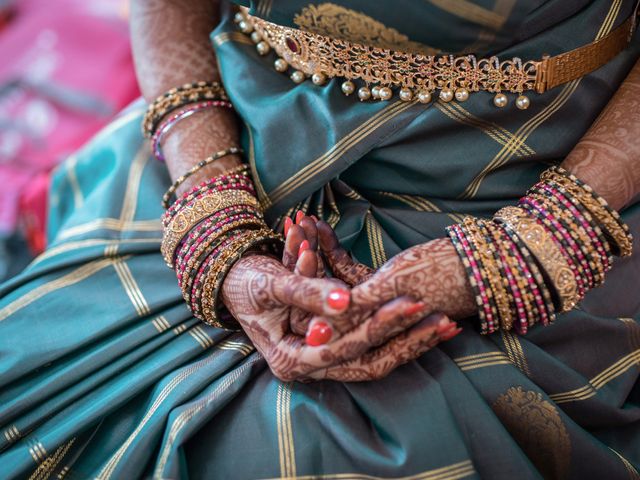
point(190, 215)
point(178, 97)
point(608, 218)
point(475, 227)
point(198, 166)
point(223, 264)
point(541, 245)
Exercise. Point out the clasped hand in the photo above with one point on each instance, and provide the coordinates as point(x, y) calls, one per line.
point(359, 324)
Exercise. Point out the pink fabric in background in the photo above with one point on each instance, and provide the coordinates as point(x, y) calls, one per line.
point(66, 70)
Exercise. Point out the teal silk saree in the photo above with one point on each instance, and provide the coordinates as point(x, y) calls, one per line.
point(105, 374)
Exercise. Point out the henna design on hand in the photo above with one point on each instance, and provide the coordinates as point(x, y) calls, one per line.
point(608, 157)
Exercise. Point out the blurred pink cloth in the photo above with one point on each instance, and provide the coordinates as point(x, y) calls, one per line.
point(66, 70)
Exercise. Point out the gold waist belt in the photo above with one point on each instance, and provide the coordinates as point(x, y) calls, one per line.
point(418, 76)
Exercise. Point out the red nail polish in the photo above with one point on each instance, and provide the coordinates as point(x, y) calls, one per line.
point(319, 334)
point(299, 216)
point(450, 334)
point(287, 225)
point(303, 246)
point(415, 308)
point(338, 299)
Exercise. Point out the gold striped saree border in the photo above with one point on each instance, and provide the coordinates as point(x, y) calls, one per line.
point(499, 134)
point(77, 275)
point(376, 243)
point(421, 204)
point(47, 467)
point(113, 462)
point(620, 367)
point(521, 135)
point(339, 149)
point(183, 419)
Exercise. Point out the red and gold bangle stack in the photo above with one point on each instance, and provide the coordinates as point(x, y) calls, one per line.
point(183, 102)
point(541, 256)
point(206, 231)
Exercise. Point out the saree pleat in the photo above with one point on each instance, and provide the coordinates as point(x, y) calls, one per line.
point(105, 374)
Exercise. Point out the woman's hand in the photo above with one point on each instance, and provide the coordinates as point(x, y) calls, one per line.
point(430, 272)
point(262, 295)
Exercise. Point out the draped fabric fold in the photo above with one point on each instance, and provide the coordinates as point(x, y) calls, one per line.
point(105, 374)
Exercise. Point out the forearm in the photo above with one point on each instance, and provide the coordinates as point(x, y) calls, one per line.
point(608, 157)
point(171, 47)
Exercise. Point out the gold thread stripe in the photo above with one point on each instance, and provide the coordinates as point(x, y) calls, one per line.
point(471, 12)
point(281, 448)
point(161, 323)
point(131, 288)
point(285, 434)
point(421, 204)
point(240, 346)
point(46, 468)
point(634, 332)
point(63, 473)
point(179, 329)
point(204, 341)
point(182, 419)
point(596, 383)
point(633, 473)
point(12, 434)
point(514, 351)
point(378, 256)
point(581, 393)
point(316, 166)
point(523, 132)
point(132, 189)
point(495, 132)
point(110, 466)
point(70, 164)
point(521, 136)
point(480, 357)
point(485, 364)
point(451, 472)
point(111, 249)
point(66, 280)
point(34, 455)
point(225, 37)
point(114, 224)
point(289, 430)
point(90, 242)
point(616, 370)
point(262, 194)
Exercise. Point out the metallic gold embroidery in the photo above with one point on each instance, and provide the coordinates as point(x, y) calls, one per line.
point(538, 428)
point(332, 57)
point(345, 24)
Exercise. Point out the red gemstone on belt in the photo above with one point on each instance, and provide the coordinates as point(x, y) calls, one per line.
point(291, 44)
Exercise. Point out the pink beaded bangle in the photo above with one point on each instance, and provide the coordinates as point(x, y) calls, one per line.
point(592, 229)
point(169, 123)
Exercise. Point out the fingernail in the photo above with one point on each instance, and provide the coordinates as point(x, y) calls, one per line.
point(448, 335)
point(299, 216)
point(319, 334)
point(287, 225)
point(314, 218)
point(415, 308)
point(338, 299)
point(303, 246)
